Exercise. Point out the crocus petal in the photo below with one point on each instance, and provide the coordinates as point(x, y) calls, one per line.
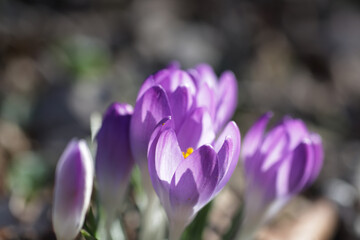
point(194, 180)
point(114, 160)
point(297, 131)
point(228, 147)
point(227, 99)
point(148, 83)
point(170, 80)
point(295, 172)
point(253, 151)
point(167, 155)
point(268, 181)
point(318, 155)
point(73, 186)
point(180, 103)
point(161, 187)
point(206, 75)
point(232, 131)
point(275, 146)
point(254, 136)
point(152, 107)
point(206, 97)
point(224, 157)
point(301, 166)
point(173, 65)
point(196, 130)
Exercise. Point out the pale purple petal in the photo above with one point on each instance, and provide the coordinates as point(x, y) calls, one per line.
point(73, 187)
point(180, 103)
point(148, 83)
point(114, 160)
point(206, 75)
point(195, 179)
point(170, 80)
point(275, 146)
point(152, 107)
point(301, 166)
point(206, 97)
point(296, 171)
point(280, 187)
point(167, 155)
point(297, 131)
point(228, 147)
point(173, 65)
point(318, 155)
point(227, 99)
point(254, 136)
point(267, 180)
point(224, 158)
point(196, 130)
point(232, 131)
point(161, 187)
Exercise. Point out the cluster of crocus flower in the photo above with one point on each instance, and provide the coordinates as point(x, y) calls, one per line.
point(192, 107)
point(180, 136)
point(199, 106)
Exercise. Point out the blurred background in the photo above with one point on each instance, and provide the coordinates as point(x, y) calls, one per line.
point(62, 60)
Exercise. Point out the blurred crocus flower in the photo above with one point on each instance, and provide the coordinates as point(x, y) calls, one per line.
point(277, 166)
point(73, 187)
point(188, 97)
point(188, 170)
point(114, 160)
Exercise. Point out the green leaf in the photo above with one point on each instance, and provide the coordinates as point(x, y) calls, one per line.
point(87, 235)
point(91, 222)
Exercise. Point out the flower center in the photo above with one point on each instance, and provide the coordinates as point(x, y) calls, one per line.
point(188, 152)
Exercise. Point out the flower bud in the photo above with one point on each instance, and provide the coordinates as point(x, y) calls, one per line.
point(114, 160)
point(73, 187)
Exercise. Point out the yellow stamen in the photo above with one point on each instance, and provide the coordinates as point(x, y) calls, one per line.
point(188, 152)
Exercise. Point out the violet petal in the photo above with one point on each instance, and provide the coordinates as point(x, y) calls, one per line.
point(227, 99)
point(232, 132)
point(195, 179)
point(318, 155)
point(161, 187)
point(114, 160)
point(180, 103)
point(196, 130)
point(254, 136)
point(152, 107)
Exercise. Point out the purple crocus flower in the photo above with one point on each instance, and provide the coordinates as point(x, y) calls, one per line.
point(73, 187)
point(188, 97)
point(187, 171)
point(277, 166)
point(114, 160)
